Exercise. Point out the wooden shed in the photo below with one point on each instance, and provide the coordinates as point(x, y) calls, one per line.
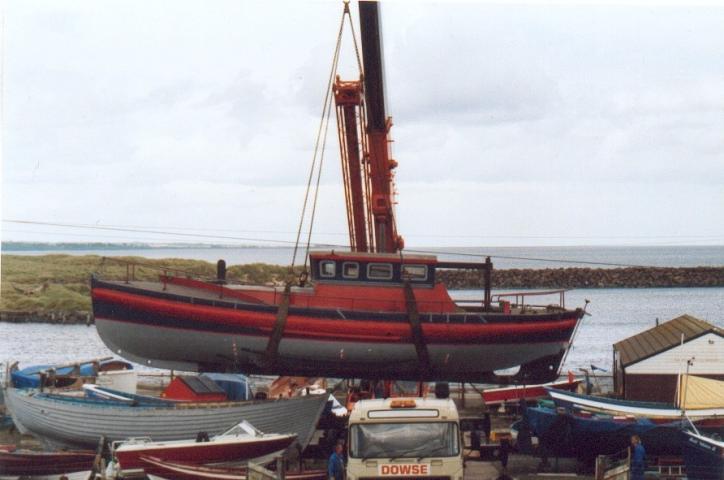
point(646, 366)
point(194, 389)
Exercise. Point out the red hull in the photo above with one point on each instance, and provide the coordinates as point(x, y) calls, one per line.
point(186, 471)
point(371, 330)
point(498, 396)
point(204, 452)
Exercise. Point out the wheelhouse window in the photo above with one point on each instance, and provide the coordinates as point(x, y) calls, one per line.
point(379, 271)
point(350, 270)
point(327, 269)
point(415, 272)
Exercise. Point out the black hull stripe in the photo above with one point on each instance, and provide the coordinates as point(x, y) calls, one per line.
point(338, 314)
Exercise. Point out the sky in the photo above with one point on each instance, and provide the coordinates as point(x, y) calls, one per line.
point(514, 123)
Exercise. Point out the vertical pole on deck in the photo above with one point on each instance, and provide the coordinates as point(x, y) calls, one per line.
point(487, 276)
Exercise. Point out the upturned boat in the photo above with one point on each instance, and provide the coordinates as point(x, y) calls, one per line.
point(241, 443)
point(375, 311)
point(72, 421)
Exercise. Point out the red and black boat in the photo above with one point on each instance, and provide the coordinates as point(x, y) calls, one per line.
point(372, 312)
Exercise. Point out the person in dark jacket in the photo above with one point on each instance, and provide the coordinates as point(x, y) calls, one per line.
point(335, 467)
point(486, 427)
point(503, 454)
point(638, 458)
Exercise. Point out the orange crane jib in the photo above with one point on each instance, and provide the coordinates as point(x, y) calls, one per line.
point(367, 165)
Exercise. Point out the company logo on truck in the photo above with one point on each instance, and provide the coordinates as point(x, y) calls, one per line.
point(419, 469)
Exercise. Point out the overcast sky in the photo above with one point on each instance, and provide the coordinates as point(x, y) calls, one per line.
point(514, 124)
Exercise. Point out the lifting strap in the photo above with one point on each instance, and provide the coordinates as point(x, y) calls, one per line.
point(272, 346)
point(418, 337)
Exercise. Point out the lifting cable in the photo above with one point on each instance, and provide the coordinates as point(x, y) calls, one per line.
point(321, 141)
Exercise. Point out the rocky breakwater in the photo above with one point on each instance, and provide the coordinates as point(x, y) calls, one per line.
point(633, 277)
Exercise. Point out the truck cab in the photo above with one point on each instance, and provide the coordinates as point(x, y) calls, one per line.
point(404, 438)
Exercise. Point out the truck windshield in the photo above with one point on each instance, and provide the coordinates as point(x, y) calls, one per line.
point(404, 440)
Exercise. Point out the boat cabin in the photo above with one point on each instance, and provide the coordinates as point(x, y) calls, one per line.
point(378, 268)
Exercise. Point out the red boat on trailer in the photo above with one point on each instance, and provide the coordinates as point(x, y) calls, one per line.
point(374, 312)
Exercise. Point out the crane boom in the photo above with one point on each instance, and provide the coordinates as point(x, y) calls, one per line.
point(364, 145)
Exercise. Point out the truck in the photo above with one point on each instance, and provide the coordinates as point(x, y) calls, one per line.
point(404, 438)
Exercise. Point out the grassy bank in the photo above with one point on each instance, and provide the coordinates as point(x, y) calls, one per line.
point(61, 283)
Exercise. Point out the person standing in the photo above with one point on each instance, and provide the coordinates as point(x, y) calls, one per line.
point(335, 466)
point(486, 427)
point(638, 458)
point(503, 454)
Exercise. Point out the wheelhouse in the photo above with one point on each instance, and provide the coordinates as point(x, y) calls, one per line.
point(355, 267)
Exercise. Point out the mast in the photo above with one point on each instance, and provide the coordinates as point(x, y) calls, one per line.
point(363, 128)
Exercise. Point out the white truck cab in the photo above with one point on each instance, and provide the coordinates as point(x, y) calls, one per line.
point(404, 438)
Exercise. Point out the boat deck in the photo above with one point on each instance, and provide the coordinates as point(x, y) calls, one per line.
point(183, 291)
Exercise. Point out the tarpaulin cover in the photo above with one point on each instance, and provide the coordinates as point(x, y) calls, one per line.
point(699, 393)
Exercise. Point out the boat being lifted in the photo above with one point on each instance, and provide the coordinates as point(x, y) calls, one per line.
point(362, 316)
point(374, 312)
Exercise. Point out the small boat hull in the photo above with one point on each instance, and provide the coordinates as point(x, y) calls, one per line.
point(78, 422)
point(628, 407)
point(28, 463)
point(704, 457)
point(585, 436)
point(498, 396)
point(164, 470)
point(214, 451)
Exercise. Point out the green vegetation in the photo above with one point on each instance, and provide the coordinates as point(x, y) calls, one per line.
point(62, 282)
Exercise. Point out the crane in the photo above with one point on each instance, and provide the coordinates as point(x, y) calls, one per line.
point(364, 139)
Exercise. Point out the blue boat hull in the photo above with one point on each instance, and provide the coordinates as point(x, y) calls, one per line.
point(704, 458)
point(567, 434)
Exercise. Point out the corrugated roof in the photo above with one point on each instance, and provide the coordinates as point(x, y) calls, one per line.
point(662, 337)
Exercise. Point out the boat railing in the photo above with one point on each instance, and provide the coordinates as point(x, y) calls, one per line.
point(133, 270)
point(521, 296)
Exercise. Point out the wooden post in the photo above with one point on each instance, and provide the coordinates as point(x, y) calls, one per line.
point(281, 474)
point(599, 467)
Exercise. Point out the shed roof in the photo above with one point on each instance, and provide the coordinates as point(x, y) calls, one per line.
point(661, 338)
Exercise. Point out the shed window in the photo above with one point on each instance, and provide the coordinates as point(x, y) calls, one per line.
point(379, 271)
point(415, 272)
point(327, 269)
point(350, 270)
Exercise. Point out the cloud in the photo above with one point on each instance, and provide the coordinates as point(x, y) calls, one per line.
point(533, 118)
